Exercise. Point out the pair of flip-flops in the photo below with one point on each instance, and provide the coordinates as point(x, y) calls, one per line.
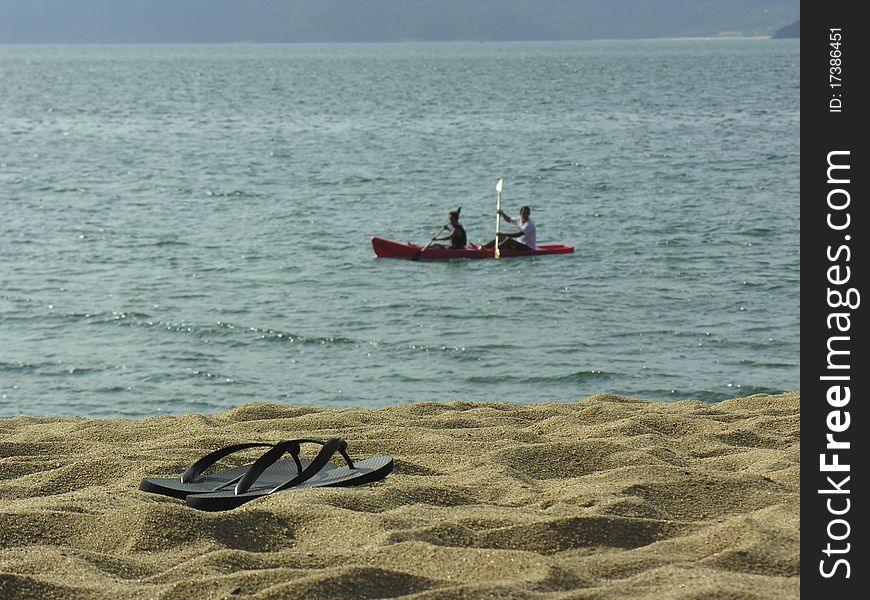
point(228, 489)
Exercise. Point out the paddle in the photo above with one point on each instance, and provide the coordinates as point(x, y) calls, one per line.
point(420, 251)
point(498, 188)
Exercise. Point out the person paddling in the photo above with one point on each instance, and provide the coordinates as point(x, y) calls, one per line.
point(524, 239)
point(456, 237)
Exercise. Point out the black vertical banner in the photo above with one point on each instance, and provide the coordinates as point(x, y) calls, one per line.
point(834, 365)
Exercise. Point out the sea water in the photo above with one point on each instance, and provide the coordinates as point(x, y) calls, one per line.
point(187, 228)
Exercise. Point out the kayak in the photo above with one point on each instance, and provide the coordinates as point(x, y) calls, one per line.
point(390, 249)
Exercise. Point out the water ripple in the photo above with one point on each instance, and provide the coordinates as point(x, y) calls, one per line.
point(200, 237)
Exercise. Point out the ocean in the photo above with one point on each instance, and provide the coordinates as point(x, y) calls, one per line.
point(186, 228)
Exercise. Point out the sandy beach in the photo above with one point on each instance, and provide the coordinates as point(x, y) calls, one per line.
point(608, 497)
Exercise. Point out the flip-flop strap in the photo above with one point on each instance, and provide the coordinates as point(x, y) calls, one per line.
point(197, 468)
point(329, 449)
point(271, 456)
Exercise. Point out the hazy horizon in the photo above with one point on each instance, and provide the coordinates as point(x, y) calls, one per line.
point(302, 21)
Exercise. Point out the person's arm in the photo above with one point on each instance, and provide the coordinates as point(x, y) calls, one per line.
point(509, 219)
point(441, 239)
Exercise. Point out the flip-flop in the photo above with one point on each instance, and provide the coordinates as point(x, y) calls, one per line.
point(191, 481)
point(317, 474)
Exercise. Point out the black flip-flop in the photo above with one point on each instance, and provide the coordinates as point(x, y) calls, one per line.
point(191, 481)
point(317, 474)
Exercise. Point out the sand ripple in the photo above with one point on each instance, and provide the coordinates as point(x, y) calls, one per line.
point(610, 497)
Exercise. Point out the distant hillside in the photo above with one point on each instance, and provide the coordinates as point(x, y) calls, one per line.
point(143, 21)
point(789, 31)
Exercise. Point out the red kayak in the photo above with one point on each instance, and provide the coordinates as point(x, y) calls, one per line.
point(389, 249)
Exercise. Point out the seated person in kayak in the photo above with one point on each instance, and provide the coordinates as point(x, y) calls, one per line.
point(524, 239)
point(456, 236)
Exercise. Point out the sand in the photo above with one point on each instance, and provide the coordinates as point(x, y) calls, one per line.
point(609, 497)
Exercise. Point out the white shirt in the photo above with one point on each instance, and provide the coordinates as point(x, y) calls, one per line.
point(530, 234)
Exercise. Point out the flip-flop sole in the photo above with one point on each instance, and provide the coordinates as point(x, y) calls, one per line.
point(273, 476)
